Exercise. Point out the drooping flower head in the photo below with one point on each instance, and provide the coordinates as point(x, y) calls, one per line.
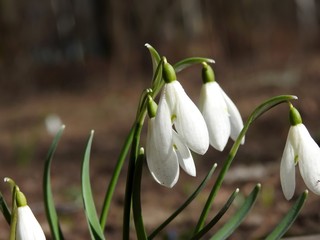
point(300, 149)
point(184, 114)
point(220, 113)
point(168, 147)
point(165, 150)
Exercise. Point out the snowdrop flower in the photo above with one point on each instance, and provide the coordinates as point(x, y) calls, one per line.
point(165, 150)
point(183, 113)
point(300, 149)
point(28, 228)
point(220, 113)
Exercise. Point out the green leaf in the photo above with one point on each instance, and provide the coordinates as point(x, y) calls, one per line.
point(136, 200)
point(290, 217)
point(88, 201)
point(157, 81)
point(154, 56)
point(47, 191)
point(219, 215)
point(190, 61)
point(5, 209)
point(228, 228)
point(185, 204)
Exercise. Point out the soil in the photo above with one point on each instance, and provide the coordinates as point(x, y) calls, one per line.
point(104, 98)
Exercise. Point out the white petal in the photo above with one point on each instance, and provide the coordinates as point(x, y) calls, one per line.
point(235, 118)
point(309, 159)
point(163, 126)
point(184, 155)
point(215, 112)
point(189, 122)
point(28, 227)
point(162, 162)
point(287, 169)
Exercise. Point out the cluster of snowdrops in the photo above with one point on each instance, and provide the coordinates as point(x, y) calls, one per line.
point(176, 128)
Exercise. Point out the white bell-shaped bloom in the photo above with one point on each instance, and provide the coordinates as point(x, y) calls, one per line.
point(300, 149)
point(165, 149)
point(28, 228)
point(186, 117)
point(221, 115)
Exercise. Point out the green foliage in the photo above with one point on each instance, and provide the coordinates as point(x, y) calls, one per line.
point(226, 230)
point(290, 217)
point(47, 190)
point(132, 201)
point(88, 201)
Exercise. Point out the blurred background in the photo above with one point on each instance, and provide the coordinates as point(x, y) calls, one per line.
point(83, 63)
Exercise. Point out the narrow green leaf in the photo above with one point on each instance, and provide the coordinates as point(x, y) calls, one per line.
point(114, 179)
point(136, 200)
point(216, 218)
point(290, 217)
point(88, 201)
point(228, 228)
point(184, 205)
point(5, 209)
point(190, 61)
point(157, 81)
point(47, 191)
point(154, 56)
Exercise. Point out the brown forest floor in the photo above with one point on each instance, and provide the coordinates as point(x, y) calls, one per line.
point(102, 101)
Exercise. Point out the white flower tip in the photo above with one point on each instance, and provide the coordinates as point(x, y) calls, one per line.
point(237, 190)
point(53, 124)
point(294, 97)
point(211, 61)
point(92, 132)
point(147, 45)
point(287, 196)
point(6, 179)
point(168, 185)
point(219, 147)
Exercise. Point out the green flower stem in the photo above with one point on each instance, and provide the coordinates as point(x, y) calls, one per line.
point(136, 200)
point(264, 107)
point(14, 214)
point(130, 175)
point(13, 221)
point(141, 115)
point(184, 205)
point(114, 179)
